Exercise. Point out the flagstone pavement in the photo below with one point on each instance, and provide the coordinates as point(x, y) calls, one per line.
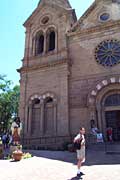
point(58, 165)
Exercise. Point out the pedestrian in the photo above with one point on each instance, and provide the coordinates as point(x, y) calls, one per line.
point(11, 139)
point(109, 132)
point(80, 138)
point(7, 140)
point(4, 140)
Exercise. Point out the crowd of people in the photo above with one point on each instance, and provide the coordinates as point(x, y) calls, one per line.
point(12, 137)
point(7, 139)
point(96, 132)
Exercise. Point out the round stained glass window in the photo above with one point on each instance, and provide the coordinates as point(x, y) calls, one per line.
point(107, 53)
point(104, 17)
point(45, 20)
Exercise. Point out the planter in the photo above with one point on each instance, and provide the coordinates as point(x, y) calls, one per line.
point(15, 148)
point(17, 155)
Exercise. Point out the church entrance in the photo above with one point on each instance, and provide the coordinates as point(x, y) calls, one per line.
point(112, 115)
point(113, 121)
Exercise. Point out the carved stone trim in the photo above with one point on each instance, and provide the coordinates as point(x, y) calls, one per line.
point(92, 95)
point(106, 26)
point(42, 66)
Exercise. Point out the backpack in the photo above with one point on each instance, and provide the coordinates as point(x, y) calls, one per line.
point(77, 144)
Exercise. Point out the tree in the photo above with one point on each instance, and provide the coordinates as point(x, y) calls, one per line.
point(15, 96)
point(4, 83)
point(9, 100)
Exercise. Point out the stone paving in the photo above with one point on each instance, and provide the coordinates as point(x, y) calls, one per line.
point(57, 165)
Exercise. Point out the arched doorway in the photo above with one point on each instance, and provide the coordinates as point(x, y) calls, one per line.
point(112, 114)
point(104, 106)
point(108, 110)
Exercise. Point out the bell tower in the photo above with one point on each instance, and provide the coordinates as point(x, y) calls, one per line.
point(62, 3)
point(45, 71)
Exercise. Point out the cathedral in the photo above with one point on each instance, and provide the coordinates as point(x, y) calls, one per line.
point(70, 74)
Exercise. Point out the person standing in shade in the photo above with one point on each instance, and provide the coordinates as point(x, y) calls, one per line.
point(80, 152)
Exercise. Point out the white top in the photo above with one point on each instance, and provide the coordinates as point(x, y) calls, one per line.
point(79, 136)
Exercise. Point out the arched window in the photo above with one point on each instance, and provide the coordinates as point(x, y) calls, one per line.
point(35, 124)
point(49, 116)
point(113, 100)
point(51, 40)
point(39, 46)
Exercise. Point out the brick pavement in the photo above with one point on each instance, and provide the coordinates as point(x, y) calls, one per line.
point(47, 165)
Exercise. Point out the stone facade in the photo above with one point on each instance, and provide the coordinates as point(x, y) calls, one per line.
point(63, 87)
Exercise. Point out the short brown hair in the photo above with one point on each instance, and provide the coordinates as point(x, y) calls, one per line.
point(81, 128)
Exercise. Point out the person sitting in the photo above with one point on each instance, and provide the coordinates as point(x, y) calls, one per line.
point(99, 137)
point(94, 130)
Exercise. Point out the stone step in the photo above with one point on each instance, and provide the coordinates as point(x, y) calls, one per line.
point(112, 148)
point(96, 146)
point(109, 148)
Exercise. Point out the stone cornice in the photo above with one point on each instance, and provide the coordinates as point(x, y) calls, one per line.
point(42, 66)
point(94, 76)
point(95, 29)
point(50, 54)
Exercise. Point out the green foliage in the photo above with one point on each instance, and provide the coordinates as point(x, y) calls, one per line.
point(4, 83)
point(27, 155)
point(9, 100)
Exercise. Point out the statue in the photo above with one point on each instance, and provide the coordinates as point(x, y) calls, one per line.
point(16, 128)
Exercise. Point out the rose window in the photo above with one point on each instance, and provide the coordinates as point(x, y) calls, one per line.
point(107, 53)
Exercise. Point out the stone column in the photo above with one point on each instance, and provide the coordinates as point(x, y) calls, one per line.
point(56, 41)
point(99, 117)
point(30, 120)
point(27, 46)
point(45, 43)
point(42, 117)
point(34, 47)
point(55, 118)
point(103, 121)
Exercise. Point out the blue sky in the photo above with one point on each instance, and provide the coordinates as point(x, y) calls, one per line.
point(12, 34)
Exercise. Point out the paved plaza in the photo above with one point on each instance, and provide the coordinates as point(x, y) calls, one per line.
point(58, 165)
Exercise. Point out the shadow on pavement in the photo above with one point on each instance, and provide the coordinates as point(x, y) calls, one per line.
point(93, 157)
point(14, 161)
point(75, 178)
point(101, 158)
point(55, 155)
